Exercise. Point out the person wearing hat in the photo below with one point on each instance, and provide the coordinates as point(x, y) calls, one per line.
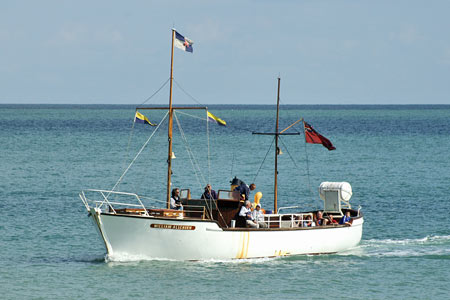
point(258, 216)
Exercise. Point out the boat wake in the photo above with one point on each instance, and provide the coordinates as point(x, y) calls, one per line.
point(127, 258)
point(431, 246)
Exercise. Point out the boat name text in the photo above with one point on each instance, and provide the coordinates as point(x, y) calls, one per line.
point(170, 226)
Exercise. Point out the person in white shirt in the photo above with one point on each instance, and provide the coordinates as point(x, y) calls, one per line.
point(258, 216)
point(246, 212)
point(175, 201)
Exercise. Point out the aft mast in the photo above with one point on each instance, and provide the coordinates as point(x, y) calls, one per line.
point(277, 133)
point(275, 186)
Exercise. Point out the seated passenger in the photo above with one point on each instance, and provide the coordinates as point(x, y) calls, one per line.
point(346, 220)
point(209, 193)
point(175, 201)
point(308, 222)
point(246, 212)
point(331, 220)
point(320, 221)
point(258, 216)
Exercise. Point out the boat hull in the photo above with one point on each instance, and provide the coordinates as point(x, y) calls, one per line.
point(180, 239)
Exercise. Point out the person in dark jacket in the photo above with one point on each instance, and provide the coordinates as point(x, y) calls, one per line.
point(244, 189)
point(209, 193)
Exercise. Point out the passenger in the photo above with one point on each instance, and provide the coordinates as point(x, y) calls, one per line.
point(246, 212)
point(175, 201)
point(320, 221)
point(258, 216)
point(346, 220)
point(307, 222)
point(209, 193)
point(331, 220)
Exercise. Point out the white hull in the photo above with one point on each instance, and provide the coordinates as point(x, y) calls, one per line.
point(205, 240)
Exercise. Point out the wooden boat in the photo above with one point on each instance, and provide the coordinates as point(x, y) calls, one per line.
point(210, 229)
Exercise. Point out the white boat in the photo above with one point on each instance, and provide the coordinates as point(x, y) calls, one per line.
point(209, 229)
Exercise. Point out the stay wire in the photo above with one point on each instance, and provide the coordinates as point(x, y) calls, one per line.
point(184, 91)
point(157, 91)
point(307, 160)
point(308, 175)
point(198, 102)
point(287, 150)
point(232, 163)
point(137, 155)
point(192, 116)
point(196, 167)
point(127, 153)
point(260, 167)
point(283, 104)
point(209, 153)
point(194, 162)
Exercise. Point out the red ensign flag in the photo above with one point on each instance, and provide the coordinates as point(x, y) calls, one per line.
point(313, 137)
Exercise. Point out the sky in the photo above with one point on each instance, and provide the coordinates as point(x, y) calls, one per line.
point(325, 51)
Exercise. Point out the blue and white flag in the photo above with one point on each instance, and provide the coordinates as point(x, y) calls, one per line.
point(183, 43)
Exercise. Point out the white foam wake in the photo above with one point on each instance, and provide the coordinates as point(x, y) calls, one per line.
point(128, 258)
point(431, 245)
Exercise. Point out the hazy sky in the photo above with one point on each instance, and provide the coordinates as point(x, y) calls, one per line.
point(327, 52)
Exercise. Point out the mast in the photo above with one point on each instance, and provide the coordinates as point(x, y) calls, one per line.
point(275, 186)
point(169, 155)
point(277, 133)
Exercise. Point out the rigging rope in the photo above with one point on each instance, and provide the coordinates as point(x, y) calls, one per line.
point(307, 170)
point(192, 116)
point(302, 130)
point(189, 95)
point(287, 150)
point(194, 162)
point(270, 147)
point(207, 141)
point(232, 164)
point(137, 155)
point(157, 91)
point(195, 165)
point(198, 102)
point(127, 154)
point(132, 127)
point(190, 153)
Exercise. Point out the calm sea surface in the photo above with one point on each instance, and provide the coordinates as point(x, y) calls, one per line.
point(395, 157)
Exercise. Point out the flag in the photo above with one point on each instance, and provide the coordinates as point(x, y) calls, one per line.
point(213, 118)
point(313, 137)
point(183, 43)
point(140, 118)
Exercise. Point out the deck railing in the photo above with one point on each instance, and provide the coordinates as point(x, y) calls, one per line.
point(102, 200)
point(287, 220)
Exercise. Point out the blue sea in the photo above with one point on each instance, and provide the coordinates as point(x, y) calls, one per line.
point(395, 157)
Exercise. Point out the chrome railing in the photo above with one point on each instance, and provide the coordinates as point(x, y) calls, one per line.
point(104, 203)
point(287, 220)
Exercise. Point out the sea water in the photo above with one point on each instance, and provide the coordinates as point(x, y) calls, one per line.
point(395, 157)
